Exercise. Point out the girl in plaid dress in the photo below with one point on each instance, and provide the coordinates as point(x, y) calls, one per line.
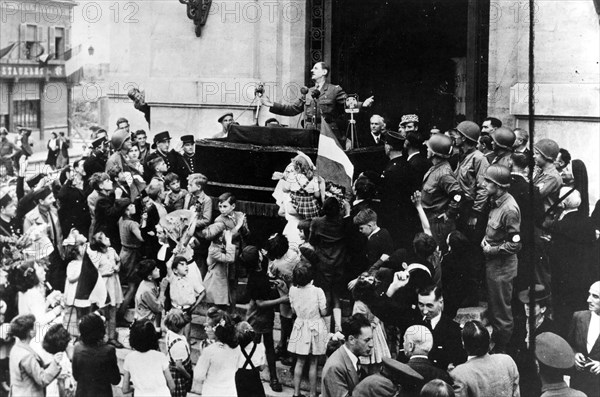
point(303, 186)
point(178, 351)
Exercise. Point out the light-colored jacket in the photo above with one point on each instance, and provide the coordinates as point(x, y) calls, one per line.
point(28, 378)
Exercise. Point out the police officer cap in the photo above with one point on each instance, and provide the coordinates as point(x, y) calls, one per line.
point(402, 372)
point(539, 294)
point(553, 351)
point(96, 143)
point(187, 139)
point(161, 136)
point(393, 138)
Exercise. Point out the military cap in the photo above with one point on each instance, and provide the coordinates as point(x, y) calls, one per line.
point(393, 137)
point(96, 143)
point(553, 351)
point(400, 371)
point(160, 137)
point(187, 139)
point(409, 118)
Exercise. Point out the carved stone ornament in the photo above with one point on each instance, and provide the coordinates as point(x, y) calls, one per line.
point(197, 11)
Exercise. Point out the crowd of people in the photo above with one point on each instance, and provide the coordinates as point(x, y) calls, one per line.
point(448, 223)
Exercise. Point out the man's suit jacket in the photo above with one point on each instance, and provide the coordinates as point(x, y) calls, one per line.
point(428, 371)
point(447, 344)
point(378, 244)
point(365, 139)
point(488, 375)
point(339, 377)
point(584, 380)
point(34, 217)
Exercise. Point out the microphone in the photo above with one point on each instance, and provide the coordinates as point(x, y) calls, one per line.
point(304, 90)
point(258, 92)
point(316, 93)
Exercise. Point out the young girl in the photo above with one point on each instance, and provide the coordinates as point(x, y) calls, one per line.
point(247, 377)
point(107, 261)
point(303, 186)
point(178, 351)
point(214, 374)
point(131, 243)
point(364, 293)
point(74, 249)
point(146, 367)
point(309, 336)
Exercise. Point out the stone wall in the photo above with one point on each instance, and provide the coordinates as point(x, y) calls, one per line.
point(190, 81)
point(567, 75)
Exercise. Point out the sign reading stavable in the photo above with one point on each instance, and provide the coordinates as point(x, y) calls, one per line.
point(31, 71)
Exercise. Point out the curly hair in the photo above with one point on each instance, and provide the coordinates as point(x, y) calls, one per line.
point(20, 326)
point(23, 277)
point(224, 326)
point(302, 166)
point(364, 290)
point(175, 320)
point(57, 339)
point(277, 246)
point(97, 178)
point(143, 336)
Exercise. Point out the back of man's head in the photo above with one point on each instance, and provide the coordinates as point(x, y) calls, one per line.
point(476, 338)
point(420, 340)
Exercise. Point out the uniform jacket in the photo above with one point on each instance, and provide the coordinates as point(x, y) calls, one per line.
point(441, 191)
point(184, 166)
point(339, 377)
point(469, 174)
point(504, 226)
point(489, 375)
point(548, 182)
point(584, 380)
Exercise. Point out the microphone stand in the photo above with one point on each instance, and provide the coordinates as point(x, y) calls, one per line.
point(257, 97)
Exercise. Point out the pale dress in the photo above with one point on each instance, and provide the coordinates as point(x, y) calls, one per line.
point(380, 348)
point(216, 367)
point(108, 263)
point(309, 335)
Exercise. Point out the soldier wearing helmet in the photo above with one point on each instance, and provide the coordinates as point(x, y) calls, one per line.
point(546, 177)
point(441, 194)
point(503, 140)
point(500, 245)
point(121, 143)
point(469, 174)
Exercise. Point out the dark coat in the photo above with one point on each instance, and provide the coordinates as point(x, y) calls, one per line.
point(95, 163)
point(106, 218)
point(584, 380)
point(184, 166)
point(95, 369)
point(447, 344)
point(428, 371)
point(73, 210)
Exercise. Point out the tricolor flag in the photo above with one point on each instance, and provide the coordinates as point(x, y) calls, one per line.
point(332, 162)
point(6, 50)
point(74, 64)
point(91, 288)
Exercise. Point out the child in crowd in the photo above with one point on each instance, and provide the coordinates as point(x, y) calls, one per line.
point(75, 245)
point(57, 340)
point(146, 367)
point(247, 377)
point(364, 293)
point(184, 291)
point(199, 201)
point(178, 351)
point(221, 255)
point(149, 298)
point(264, 298)
point(309, 335)
point(108, 263)
point(379, 241)
point(301, 183)
point(130, 255)
point(234, 221)
point(214, 374)
point(282, 261)
point(158, 168)
point(176, 195)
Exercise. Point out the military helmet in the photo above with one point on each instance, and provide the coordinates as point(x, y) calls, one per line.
point(547, 148)
point(469, 130)
point(504, 137)
point(498, 174)
point(118, 138)
point(441, 145)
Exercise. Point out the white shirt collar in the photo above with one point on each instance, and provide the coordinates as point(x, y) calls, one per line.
point(436, 320)
point(593, 331)
point(411, 156)
point(373, 232)
point(567, 211)
point(419, 356)
point(353, 358)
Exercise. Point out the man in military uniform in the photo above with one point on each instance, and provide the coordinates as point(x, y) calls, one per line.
point(324, 99)
point(162, 142)
point(441, 194)
point(408, 123)
point(546, 177)
point(469, 174)
point(394, 378)
point(398, 183)
point(555, 357)
point(500, 245)
point(503, 140)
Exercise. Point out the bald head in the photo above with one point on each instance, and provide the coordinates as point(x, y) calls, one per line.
point(417, 340)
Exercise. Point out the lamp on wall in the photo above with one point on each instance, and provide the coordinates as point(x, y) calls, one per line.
point(197, 10)
point(91, 50)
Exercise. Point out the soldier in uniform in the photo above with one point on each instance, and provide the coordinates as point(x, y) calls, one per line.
point(470, 176)
point(96, 162)
point(441, 194)
point(546, 177)
point(555, 357)
point(398, 183)
point(186, 163)
point(503, 140)
point(324, 100)
point(500, 245)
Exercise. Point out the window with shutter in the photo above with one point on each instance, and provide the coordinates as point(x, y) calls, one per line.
point(51, 43)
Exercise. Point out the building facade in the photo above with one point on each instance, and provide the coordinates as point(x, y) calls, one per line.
point(34, 37)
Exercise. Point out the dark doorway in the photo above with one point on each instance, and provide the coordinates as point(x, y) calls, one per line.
point(401, 52)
